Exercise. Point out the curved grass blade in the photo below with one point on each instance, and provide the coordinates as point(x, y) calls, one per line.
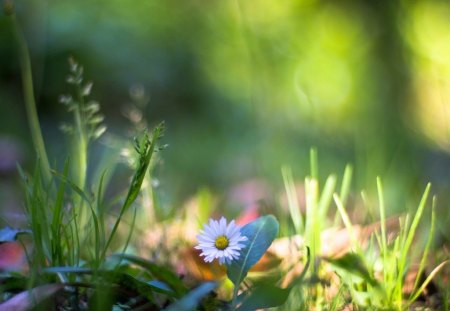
point(145, 148)
point(191, 300)
point(428, 280)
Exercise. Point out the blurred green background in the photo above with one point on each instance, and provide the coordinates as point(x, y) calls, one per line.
point(248, 86)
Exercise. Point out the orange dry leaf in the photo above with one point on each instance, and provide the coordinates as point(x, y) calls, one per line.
point(27, 300)
point(199, 269)
point(12, 257)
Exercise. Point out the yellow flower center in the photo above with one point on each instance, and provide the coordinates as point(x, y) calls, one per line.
point(221, 242)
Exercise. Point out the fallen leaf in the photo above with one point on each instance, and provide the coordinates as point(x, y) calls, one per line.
point(27, 300)
point(199, 269)
point(12, 257)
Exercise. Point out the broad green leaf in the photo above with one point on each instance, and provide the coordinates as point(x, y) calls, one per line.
point(159, 272)
point(260, 234)
point(124, 279)
point(68, 269)
point(265, 296)
point(191, 300)
point(27, 300)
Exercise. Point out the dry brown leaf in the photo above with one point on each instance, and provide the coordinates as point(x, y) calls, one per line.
point(12, 257)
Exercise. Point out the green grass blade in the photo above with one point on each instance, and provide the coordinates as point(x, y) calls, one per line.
point(100, 212)
point(146, 152)
point(57, 219)
point(85, 198)
point(326, 198)
point(427, 247)
point(382, 208)
point(314, 163)
point(428, 280)
point(291, 192)
point(415, 222)
point(346, 183)
point(130, 234)
point(30, 103)
point(346, 219)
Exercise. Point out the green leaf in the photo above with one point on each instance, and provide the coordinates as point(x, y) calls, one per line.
point(9, 234)
point(160, 273)
point(352, 263)
point(265, 296)
point(145, 149)
point(260, 234)
point(159, 286)
point(68, 269)
point(191, 300)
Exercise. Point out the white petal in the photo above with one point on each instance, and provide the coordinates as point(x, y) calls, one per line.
point(230, 227)
point(211, 226)
point(216, 228)
point(205, 239)
point(223, 226)
point(210, 231)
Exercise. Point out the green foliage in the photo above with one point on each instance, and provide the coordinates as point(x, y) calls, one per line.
point(353, 264)
point(260, 234)
point(395, 259)
point(264, 296)
point(192, 299)
point(9, 234)
point(158, 272)
point(145, 147)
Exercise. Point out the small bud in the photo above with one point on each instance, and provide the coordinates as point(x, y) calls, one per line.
point(99, 132)
point(70, 80)
point(73, 64)
point(86, 89)
point(65, 99)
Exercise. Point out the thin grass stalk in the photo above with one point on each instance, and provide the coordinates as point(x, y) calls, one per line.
point(30, 103)
point(57, 220)
point(311, 225)
point(382, 209)
point(314, 163)
point(346, 183)
point(100, 212)
point(408, 242)
point(294, 208)
point(325, 198)
point(428, 279)
point(130, 234)
point(136, 183)
point(346, 219)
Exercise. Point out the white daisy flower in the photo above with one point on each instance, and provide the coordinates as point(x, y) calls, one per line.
point(219, 241)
